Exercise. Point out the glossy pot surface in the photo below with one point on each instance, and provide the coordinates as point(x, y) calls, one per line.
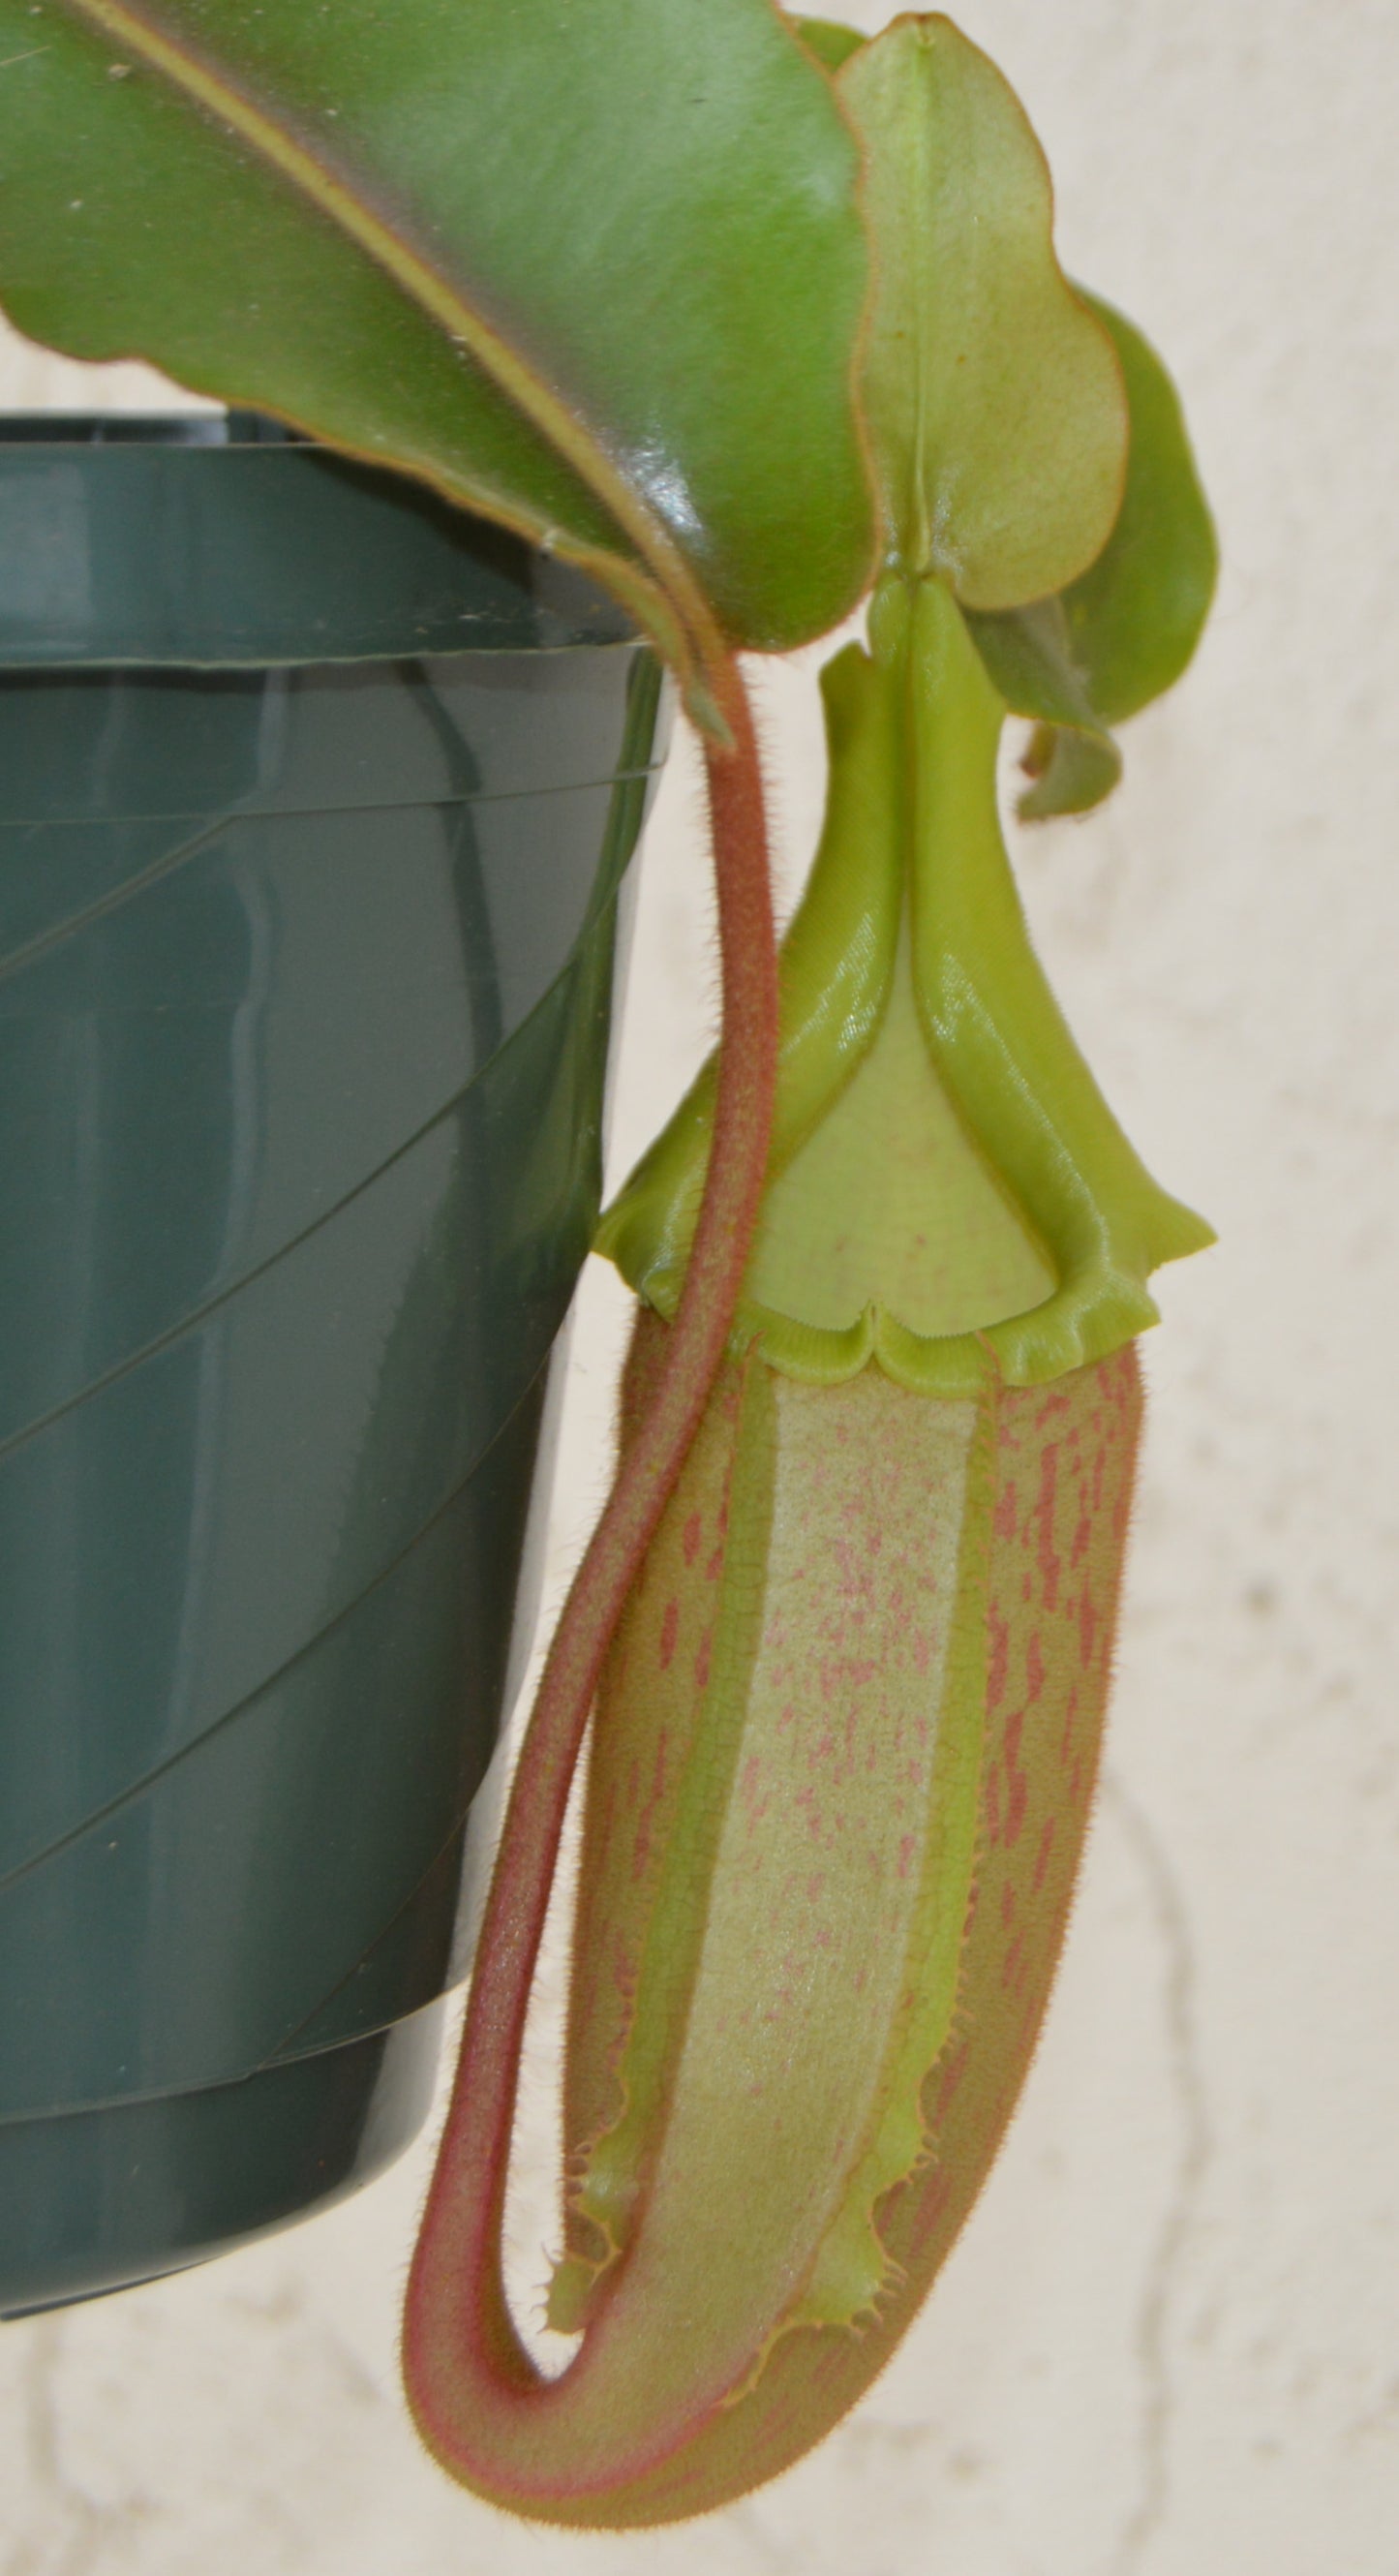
point(316, 801)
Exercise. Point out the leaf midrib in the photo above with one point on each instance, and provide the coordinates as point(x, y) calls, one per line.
point(334, 196)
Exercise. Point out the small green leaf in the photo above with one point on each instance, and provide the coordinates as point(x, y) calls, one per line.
point(1070, 772)
point(997, 414)
point(1134, 617)
point(569, 263)
point(1072, 757)
point(1125, 630)
point(831, 43)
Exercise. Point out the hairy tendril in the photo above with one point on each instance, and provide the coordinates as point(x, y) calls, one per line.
point(475, 2393)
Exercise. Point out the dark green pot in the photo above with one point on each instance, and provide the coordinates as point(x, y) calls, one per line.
point(315, 802)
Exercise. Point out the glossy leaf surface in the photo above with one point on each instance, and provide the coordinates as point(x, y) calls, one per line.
point(572, 264)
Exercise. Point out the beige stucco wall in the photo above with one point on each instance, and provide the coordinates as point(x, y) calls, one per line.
point(1169, 2346)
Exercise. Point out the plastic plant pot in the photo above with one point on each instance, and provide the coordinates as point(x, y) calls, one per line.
point(316, 801)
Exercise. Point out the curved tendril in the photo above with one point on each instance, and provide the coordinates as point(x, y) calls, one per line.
point(473, 2389)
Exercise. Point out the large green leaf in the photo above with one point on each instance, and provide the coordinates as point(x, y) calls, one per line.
point(593, 266)
point(997, 412)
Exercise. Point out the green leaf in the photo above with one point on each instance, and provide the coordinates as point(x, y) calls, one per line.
point(1072, 757)
point(997, 414)
point(1134, 618)
point(831, 43)
point(1125, 630)
point(594, 269)
point(1070, 771)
